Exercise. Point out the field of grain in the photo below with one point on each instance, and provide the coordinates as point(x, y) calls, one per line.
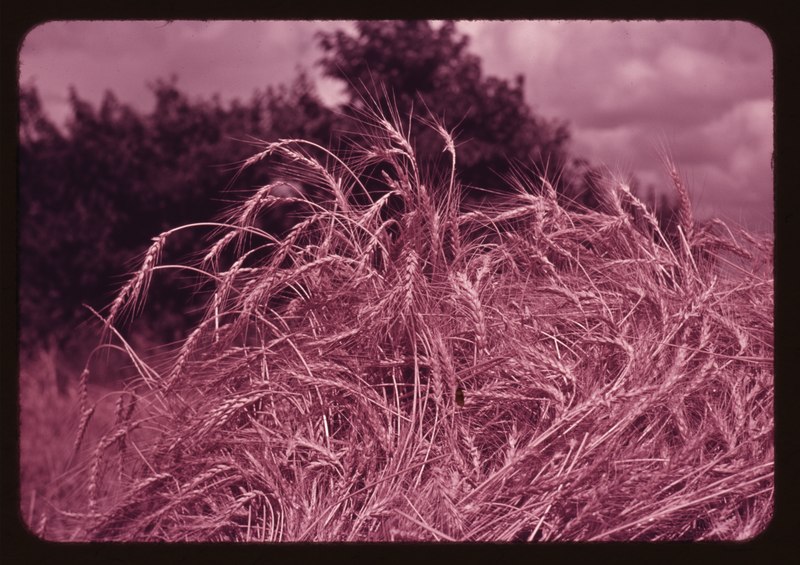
point(404, 365)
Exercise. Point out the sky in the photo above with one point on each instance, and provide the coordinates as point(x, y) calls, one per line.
point(703, 89)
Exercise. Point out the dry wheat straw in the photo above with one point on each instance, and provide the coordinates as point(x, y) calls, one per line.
point(597, 361)
point(138, 285)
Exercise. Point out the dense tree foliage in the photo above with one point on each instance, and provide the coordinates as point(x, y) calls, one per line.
point(94, 193)
point(92, 196)
point(415, 65)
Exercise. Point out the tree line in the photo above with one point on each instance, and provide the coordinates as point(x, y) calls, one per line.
point(93, 193)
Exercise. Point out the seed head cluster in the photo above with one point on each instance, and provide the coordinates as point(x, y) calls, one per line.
point(403, 365)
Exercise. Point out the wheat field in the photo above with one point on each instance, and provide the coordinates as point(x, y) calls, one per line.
point(405, 365)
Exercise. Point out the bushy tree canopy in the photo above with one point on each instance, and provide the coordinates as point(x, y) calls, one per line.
point(94, 193)
point(416, 65)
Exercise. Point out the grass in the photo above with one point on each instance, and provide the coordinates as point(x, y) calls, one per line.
point(49, 481)
point(401, 365)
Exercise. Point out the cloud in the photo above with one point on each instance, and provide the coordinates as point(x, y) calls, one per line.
point(232, 58)
point(703, 89)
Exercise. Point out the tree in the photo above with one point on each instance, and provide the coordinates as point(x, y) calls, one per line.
point(412, 64)
point(92, 196)
point(41, 193)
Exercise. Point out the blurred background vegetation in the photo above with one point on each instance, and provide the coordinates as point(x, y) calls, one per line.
point(93, 194)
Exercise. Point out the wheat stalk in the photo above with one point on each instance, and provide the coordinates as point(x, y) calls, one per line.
point(524, 370)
